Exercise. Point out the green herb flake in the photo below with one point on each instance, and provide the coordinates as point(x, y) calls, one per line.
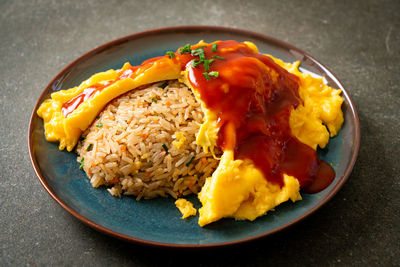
point(190, 161)
point(195, 62)
point(207, 63)
point(199, 52)
point(82, 163)
point(218, 57)
point(89, 147)
point(170, 54)
point(213, 74)
point(214, 47)
point(99, 125)
point(82, 137)
point(154, 100)
point(207, 76)
point(163, 85)
point(185, 49)
point(165, 147)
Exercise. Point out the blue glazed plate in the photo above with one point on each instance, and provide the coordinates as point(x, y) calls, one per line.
point(157, 221)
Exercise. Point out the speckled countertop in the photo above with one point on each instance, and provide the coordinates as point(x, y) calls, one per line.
point(358, 40)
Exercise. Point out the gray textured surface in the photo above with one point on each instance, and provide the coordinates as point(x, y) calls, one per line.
point(358, 40)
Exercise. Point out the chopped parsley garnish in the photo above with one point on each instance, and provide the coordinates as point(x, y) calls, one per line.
point(213, 74)
point(170, 54)
point(199, 52)
point(99, 125)
point(89, 147)
point(165, 147)
point(218, 57)
point(207, 76)
point(82, 163)
point(210, 74)
point(163, 85)
point(185, 49)
point(207, 63)
point(195, 62)
point(154, 100)
point(83, 137)
point(190, 161)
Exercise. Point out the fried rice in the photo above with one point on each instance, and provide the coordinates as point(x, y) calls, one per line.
point(144, 144)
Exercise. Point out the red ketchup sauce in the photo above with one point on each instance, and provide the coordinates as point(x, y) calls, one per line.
point(86, 94)
point(252, 97)
point(89, 92)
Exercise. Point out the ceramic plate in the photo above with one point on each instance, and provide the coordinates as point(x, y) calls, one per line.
point(157, 221)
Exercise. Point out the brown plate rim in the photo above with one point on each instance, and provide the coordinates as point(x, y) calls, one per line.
point(192, 28)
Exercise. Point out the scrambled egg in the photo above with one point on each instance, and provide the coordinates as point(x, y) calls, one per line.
point(180, 140)
point(185, 207)
point(236, 189)
point(321, 109)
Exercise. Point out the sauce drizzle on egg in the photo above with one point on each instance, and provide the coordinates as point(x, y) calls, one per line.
point(253, 98)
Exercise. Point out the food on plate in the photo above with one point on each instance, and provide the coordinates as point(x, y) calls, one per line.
point(185, 207)
point(237, 127)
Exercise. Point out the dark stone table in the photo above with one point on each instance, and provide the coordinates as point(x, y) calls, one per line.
point(358, 40)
